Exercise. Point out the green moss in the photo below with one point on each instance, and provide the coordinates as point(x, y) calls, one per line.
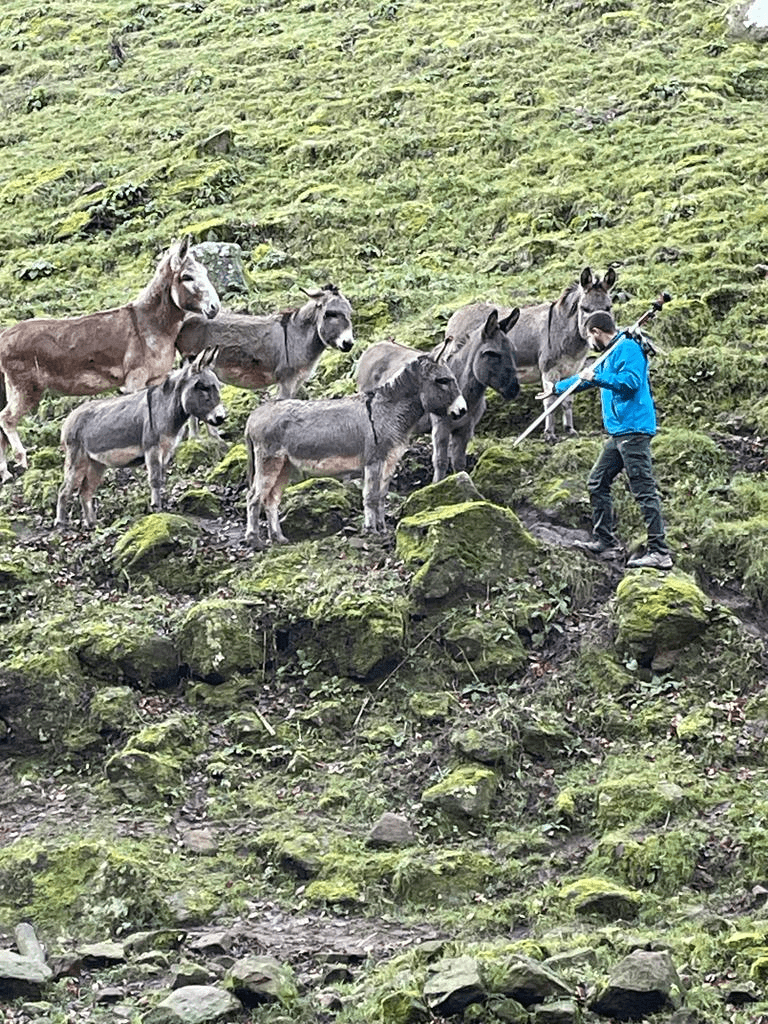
point(220, 639)
point(318, 508)
point(150, 539)
point(455, 489)
point(737, 551)
point(198, 501)
point(599, 897)
point(465, 791)
point(662, 862)
point(658, 612)
point(232, 469)
point(196, 453)
point(504, 474)
point(643, 797)
point(463, 547)
point(104, 887)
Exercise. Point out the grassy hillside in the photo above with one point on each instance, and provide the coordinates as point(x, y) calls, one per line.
point(581, 758)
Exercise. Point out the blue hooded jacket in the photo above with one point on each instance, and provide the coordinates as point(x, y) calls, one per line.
point(625, 390)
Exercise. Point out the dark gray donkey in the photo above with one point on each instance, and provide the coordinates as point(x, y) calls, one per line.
point(549, 340)
point(141, 427)
point(482, 359)
point(365, 434)
point(280, 348)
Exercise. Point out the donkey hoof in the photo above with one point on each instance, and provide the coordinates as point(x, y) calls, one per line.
point(253, 540)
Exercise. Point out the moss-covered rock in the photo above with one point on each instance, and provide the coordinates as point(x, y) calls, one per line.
point(232, 469)
point(114, 709)
point(357, 635)
point(487, 648)
point(105, 887)
point(453, 490)
point(599, 897)
point(256, 980)
point(658, 612)
point(150, 765)
point(463, 548)
point(196, 454)
point(318, 508)
point(736, 551)
point(662, 862)
point(199, 501)
point(147, 549)
point(640, 797)
point(117, 644)
point(504, 474)
point(466, 791)
point(218, 639)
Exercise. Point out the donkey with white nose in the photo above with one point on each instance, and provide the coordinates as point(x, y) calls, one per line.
point(364, 434)
point(145, 426)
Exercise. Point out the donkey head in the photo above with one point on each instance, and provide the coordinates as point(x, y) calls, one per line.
point(592, 295)
point(438, 388)
point(332, 314)
point(201, 389)
point(191, 288)
point(493, 363)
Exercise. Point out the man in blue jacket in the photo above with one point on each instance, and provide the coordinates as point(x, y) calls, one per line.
point(629, 417)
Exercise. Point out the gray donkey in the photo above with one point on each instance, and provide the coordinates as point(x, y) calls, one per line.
point(365, 434)
point(481, 360)
point(280, 348)
point(145, 426)
point(549, 340)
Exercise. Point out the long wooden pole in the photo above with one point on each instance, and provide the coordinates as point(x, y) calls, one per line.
point(648, 315)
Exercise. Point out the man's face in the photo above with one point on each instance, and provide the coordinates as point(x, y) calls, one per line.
point(598, 339)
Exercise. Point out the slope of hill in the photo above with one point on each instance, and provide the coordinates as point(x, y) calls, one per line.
point(198, 739)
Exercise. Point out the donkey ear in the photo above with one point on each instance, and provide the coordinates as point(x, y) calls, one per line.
point(199, 361)
point(586, 280)
point(313, 293)
point(211, 355)
point(610, 279)
point(492, 322)
point(440, 353)
point(510, 320)
point(183, 248)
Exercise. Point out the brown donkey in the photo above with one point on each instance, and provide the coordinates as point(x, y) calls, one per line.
point(133, 345)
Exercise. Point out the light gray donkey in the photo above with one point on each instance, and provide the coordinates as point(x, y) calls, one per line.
point(549, 340)
point(365, 434)
point(281, 348)
point(145, 426)
point(483, 359)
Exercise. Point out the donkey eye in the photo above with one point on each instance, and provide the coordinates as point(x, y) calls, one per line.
point(443, 381)
point(490, 354)
point(331, 314)
point(187, 277)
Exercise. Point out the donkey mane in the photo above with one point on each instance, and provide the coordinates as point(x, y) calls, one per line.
point(397, 383)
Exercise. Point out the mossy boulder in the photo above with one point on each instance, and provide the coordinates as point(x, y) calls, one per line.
point(463, 548)
point(641, 985)
point(485, 648)
point(196, 454)
point(256, 980)
point(41, 698)
point(453, 984)
point(736, 551)
point(218, 639)
point(453, 490)
point(504, 474)
point(150, 765)
point(114, 709)
point(232, 469)
point(119, 645)
point(660, 862)
point(658, 612)
point(489, 746)
point(466, 791)
point(86, 887)
point(522, 978)
point(642, 797)
point(146, 546)
point(318, 508)
point(357, 634)
point(199, 501)
point(599, 897)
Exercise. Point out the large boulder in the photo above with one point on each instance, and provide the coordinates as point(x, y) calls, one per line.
point(642, 984)
point(463, 548)
point(194, 1004)
point(466, 792)
point(452, 985)
point(224, 263)
point(218, 639)
point(658, 612)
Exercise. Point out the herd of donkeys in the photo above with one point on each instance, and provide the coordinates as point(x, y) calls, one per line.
point(401, 390)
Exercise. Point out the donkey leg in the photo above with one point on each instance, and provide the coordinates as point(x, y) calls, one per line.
point(254, 503)
point(74, 472)
point(18, 403)
point(457, 449)
point(547, 381)
point(156, 470)
point(373, 497)
point(568, 417)
point(280, 475)
point(440, 436)
point(93, 477)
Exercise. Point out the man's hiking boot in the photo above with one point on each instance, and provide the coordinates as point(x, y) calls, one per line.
point(652, 560)
point(608, 552)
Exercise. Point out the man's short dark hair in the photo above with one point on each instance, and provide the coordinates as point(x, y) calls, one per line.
point(602, 320)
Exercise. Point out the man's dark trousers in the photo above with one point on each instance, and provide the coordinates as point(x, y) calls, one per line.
point(631, 452)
